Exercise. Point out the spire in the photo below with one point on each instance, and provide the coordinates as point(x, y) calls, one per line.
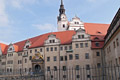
point(62, 10)
point(61, 2)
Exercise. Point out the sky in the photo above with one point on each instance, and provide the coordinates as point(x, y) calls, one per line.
point(23, 19)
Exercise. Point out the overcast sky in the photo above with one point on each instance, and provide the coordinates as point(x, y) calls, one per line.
point(22, 19)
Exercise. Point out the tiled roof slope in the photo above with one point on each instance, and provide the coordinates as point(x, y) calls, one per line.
point(96, 29)
point(64, 36)
point(3, 48)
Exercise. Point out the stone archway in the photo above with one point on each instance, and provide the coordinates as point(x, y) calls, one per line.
point(37, 68)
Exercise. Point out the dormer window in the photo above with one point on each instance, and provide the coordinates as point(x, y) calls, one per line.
point(80, 36)
point(27, 46)
point(77, 22)
point(10, 49)
point(52, 41)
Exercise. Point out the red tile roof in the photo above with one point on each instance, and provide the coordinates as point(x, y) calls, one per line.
point(3, 48)
point(96, 29)
point(64, 36)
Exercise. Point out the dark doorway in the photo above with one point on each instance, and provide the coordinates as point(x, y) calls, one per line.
point(37, 68)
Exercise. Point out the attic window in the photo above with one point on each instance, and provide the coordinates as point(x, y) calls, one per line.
point(63, 25)
point(99, 32)
point(10, 49)
point(27, 46)
point(97, 44)
point(96, 38)
point(52, 41)
point(81, 36)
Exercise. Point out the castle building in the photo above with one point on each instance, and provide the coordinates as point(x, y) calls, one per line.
point(75, 44)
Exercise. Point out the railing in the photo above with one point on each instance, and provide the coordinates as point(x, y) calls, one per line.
point(90, 73)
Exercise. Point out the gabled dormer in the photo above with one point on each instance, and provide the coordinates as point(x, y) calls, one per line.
point(11, 48)
point(27, 45)
point(80, 35)
point(52, 40)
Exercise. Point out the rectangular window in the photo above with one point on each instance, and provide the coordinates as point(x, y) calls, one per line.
point(87, 67)
point(41, 50)
point(64, 68)
point(114, 44)
point(70, 47)
point(61, 58)
point(30, 58)
point(86, 44)
point(65, 47)
point(65, 58)
point(76, 56)
point(51, 48)
point(55, 58)
point(35, 50)
point(82, 36)
point(86, 55)
point(70, 56)
point(81, 45)
point(30, 51)
point(97, 53)
point(77, 67)
point(117, 42)
point(77, 46)
point(48, 68)
point(47, 49)
point(55, 48)
point(55, 68)
point(98, 65)
point(48, 58)
point(61, 48)
point(79, 36)
point(97, 44)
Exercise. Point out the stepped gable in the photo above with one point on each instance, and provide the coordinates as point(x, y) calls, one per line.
point(96, 29)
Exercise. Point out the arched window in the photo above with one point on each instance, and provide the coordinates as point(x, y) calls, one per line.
point(63, 25)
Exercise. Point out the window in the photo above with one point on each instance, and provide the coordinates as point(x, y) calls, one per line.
point(76, 56)
point(55, 68)
point(77, 22)
point(27, 46)
point(86, 55)
point(64, 68)
point(30, 51)
point(30, 58)
point(63, 25)
point(65, 58)
point(55, 58)
point(77, 46)
point(55, 48)
point(114, 44)
point(81, 45)
point(48, 68)
point(61, 58)
point(70, 57)
point(35, 50)
point(98, 65)
point(10, 69)
point(87, 67)
point(48, 58)
point(41, 50)
point(79, 36)
point(82, 36)
point(77, 67)
point(25, 60)
point(97, 53)
point(52, 41)
point(70, 47)
point(97, 44)
point(61, 48)
point(65, 47)
point(51, 48)
point(117, 42)
point(86, 44)
point(47, 49)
